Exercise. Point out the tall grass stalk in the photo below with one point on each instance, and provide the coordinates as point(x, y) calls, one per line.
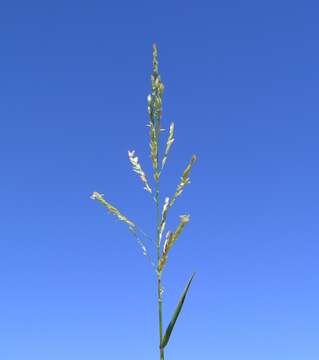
point(155, 116)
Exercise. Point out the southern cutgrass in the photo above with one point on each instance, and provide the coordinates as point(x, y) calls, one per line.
point(155, 116)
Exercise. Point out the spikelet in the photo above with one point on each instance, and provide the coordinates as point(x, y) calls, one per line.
point(138, 169)
point(154, 149)
point(112, 209)
point(164, 257)
point(171, 237)
point(184, 219)
point(155, 59)
point(184, 180)
point(169, 143)
point(163, 220)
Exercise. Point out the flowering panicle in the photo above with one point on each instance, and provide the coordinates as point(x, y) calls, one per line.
point(155, 107)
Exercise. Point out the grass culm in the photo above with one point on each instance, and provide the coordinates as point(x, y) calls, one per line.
point(163, 248)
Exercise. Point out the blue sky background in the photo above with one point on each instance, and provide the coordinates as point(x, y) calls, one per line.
point(241, 83)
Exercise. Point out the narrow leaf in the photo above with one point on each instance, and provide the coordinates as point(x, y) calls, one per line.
point(175, 315)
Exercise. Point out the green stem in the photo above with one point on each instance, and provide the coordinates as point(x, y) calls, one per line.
point(160, 317)
point(159, 287)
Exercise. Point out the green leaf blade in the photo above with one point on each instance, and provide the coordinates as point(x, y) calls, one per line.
point(171, 325)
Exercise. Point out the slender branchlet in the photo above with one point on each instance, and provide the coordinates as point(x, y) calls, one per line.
point(155, 109)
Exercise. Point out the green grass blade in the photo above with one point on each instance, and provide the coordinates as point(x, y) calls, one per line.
point(175, 315)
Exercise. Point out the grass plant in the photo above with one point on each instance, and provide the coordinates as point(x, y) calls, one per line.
point(162, 249)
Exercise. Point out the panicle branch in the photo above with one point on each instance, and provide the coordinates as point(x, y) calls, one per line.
point(171, 237)
point(163, 219)
point(135, 230)
point(169, 143)
point(112, 209)
point(185, 180)
point(138, 169)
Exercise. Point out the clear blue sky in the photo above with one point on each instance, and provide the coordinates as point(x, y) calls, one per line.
point(241, 83)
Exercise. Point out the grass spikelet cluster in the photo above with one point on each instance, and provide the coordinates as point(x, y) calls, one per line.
point(138, 169)
point(171, 237)
point(164, 217)
point(185, 180)
point(169, 143)
point(155, 111)
point(112, 209)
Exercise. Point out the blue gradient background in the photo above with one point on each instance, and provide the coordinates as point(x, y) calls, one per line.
point(241, 83)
